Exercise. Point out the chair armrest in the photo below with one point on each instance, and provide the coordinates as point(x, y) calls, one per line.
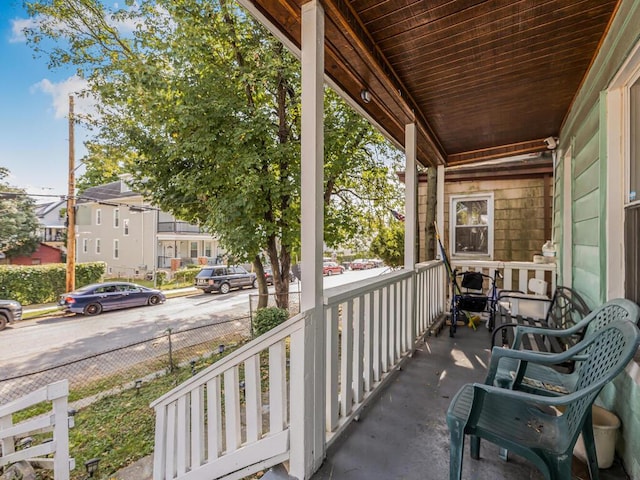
point(522, 330)
point(525, 357)
point(519, 395)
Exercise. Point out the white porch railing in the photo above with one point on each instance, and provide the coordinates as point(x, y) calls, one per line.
point(233, 419)
point(57, 421)
point(516, 275)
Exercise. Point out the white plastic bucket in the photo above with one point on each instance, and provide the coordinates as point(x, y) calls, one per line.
point(605, 430)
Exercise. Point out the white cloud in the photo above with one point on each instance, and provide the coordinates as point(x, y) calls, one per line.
point(17, 29)
point(60, 92)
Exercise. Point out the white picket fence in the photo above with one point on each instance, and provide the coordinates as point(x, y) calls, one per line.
point(235, 418)
point(53, 454)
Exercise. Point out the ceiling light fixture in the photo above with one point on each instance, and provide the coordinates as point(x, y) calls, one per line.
point(365, 95)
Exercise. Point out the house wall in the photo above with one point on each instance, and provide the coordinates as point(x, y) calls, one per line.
point(519, 214)
point(584, 134)
point(135, 250)
point(43, 254)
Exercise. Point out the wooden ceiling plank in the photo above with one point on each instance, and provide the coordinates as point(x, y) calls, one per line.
point(365, 46)
point(448, 53)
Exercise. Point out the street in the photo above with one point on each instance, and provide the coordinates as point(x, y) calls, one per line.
point(41, 342)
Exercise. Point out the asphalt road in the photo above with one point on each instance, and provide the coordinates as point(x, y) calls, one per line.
point(36, 343)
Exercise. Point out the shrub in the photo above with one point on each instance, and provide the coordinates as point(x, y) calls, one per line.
point(186, 276)
point(161, 277)
point(268, 318)
point(34, 284)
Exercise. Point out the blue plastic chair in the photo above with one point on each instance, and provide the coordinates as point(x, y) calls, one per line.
point(523, 423)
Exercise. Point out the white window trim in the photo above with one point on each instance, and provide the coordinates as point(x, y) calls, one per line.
point(85, 245)
point(99, 216)
point(618, 157)
point(452, 222)
point(116, 218)
point(98, 246)
point(116, 249)
point(125, 227)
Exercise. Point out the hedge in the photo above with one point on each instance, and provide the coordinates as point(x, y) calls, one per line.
point(36, 284)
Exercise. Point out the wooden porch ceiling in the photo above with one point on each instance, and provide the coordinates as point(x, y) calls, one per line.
point(482, 79)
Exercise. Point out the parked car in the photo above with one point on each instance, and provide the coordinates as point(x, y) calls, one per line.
point(268, 276)
point(10, 311)
point(222, 278)
point(330, 268)
point(99, 297)
point(362, 264)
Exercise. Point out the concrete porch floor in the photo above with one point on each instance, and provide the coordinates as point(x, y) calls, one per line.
point(403, 434)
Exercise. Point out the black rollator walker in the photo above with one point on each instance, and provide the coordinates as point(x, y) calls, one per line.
point(469, 297)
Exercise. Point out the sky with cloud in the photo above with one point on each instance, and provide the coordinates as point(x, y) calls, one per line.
point(34, 109)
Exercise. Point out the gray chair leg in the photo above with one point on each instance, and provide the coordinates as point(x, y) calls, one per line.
point(456, 450)
point(590, 448)
point(474, 444)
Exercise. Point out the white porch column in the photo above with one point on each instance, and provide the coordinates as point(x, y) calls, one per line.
point(440, 207)
point(308, 391)
point(410, 220)
point(411, 194)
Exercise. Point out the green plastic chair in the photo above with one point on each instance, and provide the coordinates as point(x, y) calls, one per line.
point(525, 424)
point(521, 369)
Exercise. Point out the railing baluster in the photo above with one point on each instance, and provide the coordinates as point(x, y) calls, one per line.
point(368, 342)
point(214, 419)
point(358, 349)
point(346, 360)
point(182, 430)
point(197, 427)
point(377, 335)
point(333, 369)
point(253, 392)
point(277, 387)
point(232, 409)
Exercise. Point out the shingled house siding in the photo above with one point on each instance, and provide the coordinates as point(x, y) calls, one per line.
point(519, 214)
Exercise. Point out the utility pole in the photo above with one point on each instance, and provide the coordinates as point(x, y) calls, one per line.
point(71, 208)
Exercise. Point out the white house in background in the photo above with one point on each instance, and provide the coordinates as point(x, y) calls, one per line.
point(52, 219)
point(115, 225)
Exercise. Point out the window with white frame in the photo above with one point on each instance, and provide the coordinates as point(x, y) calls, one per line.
point(116, 249)
point(99, 216)
point(116, 218)
point(207, 249)
point(98, 246)
point(471, 225)
point(85, 245)
point(125, 226)
point(193, 250)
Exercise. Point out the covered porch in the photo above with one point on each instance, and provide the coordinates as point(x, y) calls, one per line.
point(451, 83)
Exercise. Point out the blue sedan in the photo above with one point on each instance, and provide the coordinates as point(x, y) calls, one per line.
point(98, 297)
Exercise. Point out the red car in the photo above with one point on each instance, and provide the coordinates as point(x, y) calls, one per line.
point(361, 265)
point(329, 268)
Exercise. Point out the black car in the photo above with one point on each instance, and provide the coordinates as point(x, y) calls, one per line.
point(10, 311)
point(222, 278)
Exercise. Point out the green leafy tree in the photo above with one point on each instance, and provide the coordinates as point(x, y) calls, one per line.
point(203, 107)
point(18, 222)
point(389, 244)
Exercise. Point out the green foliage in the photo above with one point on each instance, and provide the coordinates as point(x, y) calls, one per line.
point(18, 221)
point(161, 277)
point(389, 244)
point(268, 318)
point(187, 275)
point(44, 283)
point(202, 106)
